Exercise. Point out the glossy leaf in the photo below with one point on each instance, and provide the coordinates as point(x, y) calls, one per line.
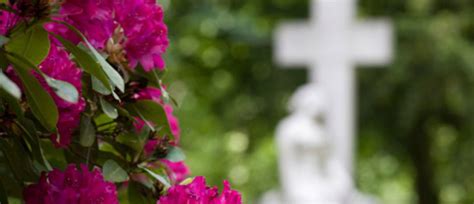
point(175, 154)
point(3, 40)
point(32, 43)
point(111, 73)
point(99, 87)
point(108, 108)
point(12, 102)
point(151, 111)
point(32, 140)
point(64, 90)
point(87, 132)
point(113, 172)
point(158, 177)
point(87, 62)
point(9, 86)
point(41, 103)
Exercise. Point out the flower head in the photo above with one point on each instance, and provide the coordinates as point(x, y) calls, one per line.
point(145, 32)
point(74, 185)
point(93, 18)
point(198, 192)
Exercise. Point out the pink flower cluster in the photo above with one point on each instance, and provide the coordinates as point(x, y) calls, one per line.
point(146, 33)
point(141, 20)
point(58, 66)
point(79, 186)
point(198, 193)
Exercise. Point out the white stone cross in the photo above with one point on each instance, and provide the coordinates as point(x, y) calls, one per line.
point(332, 44)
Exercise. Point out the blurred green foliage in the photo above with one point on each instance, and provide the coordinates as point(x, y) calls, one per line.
point(415, 122)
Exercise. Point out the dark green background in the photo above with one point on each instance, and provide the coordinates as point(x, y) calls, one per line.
point(415, 121)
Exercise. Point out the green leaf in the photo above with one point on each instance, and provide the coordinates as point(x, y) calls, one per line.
point(63, 89)
point(151, 111)
point(9, 86)
point(113, 172)
point(158, 177)
point(99, 87)
point(87, 132)
point(175, 154)
point(41, 103)
point(3, 40)
point(32, 43)
point(111, 73)
point(138, 193)
point(12, 102)
point(4, 63)
point(108, 108)
point(18, 159)
point(3, 193)
point(186, 181)
point(88, 63)
point(31, 138)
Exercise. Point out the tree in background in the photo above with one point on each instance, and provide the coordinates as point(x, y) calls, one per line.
point(414, 118)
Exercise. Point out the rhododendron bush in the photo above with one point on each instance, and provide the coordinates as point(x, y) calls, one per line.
point(85, 116)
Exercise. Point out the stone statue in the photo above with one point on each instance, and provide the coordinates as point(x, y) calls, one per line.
point(309, 172)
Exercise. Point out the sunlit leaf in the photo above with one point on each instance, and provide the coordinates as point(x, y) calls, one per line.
point(111, 73)
point(113, 172)
point(108, 108)
point(9, 86)
point(158, 177)
point(3, 40)
point(88, 63)
point(63, 89)
point(175, 154)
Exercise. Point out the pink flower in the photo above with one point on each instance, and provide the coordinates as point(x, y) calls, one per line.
point(149, 93)
point(141, 20)
point(177, 171)
point(174, 124)
point(145, 32)
point(198, 192)
point(59, 66)
point(74, 185)
point(93, 18)
point(7, 21)
point(150, 147)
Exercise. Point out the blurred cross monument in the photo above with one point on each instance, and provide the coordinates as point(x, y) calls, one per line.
point(331, 44)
